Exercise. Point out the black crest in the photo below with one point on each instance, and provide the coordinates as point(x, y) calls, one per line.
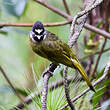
point(38, 32)
point(38, 25)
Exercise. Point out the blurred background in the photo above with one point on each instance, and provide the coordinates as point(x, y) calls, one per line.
point(23, 67)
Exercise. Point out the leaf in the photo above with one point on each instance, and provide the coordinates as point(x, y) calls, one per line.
point(100, 91)
point(22, 92)
point(14, 7)
point(3, 32)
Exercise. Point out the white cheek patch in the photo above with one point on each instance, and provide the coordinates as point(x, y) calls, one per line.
point(32, 37)
point(38, 30)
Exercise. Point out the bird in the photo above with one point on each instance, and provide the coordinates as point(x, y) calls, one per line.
point(51, 47)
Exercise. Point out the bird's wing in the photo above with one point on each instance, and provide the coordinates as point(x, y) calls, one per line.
point(57, 50)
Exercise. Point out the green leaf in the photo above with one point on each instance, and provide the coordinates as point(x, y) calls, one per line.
point(14, 7)
point(3, 32)
point(100, 91)
point(22, 92)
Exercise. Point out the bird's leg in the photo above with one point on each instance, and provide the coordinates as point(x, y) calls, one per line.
point(50, 69)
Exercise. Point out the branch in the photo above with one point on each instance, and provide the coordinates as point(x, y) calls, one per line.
point(44, 91)
point(56, 10)
point(74, 34)
point(94, 84)
point(69, 18)
point(46, 75)
point(11, 85)
point(67, 90)
point(31, 24)
point(106, 27)
point(87, 26)
point(66, 7)
point(52, 86)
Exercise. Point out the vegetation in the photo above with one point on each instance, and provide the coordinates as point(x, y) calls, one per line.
point(24, 68)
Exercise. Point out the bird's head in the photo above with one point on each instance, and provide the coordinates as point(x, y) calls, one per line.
point(38, 32)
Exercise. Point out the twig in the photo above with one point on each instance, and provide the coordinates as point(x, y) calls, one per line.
point(11, 85)
point(87, 26)
point(106, 27)
point(94, 84)
point(31, 24)
point(68, 17)
point(66, 70)
point(71, 43)
point(66, 7)
point(100, 54)
point(74, 34)
point(56, 10)
point(98, 31)
point(67, 90)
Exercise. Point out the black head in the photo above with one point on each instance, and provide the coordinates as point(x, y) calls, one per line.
point(38, 32)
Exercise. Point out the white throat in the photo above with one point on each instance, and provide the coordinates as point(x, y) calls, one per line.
point(38, 36)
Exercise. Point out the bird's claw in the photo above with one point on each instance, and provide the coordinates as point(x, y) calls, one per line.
point(51, 74)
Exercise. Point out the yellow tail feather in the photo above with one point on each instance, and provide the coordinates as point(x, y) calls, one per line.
point(82, 72)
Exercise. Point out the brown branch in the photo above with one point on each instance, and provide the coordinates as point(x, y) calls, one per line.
point(100, 54)
point(66, 7)
point(68, 17)
point(31, 24)
point(67, 90)
point(106, 27)
point(87, 26)
point(98, 31)
point(74, 34)
point(94, 84)
point(56, 10)
point(11, 85)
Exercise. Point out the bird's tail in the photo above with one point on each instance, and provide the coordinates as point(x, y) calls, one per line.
point(82, 72)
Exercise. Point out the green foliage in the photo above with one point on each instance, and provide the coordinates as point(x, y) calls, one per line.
point(24, 68)
point(14, 7)
point(92, 45)
point(100, 88)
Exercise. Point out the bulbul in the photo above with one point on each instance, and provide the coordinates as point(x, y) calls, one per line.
point(50, 46)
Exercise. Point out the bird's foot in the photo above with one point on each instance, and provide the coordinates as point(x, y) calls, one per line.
point(47, 72)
